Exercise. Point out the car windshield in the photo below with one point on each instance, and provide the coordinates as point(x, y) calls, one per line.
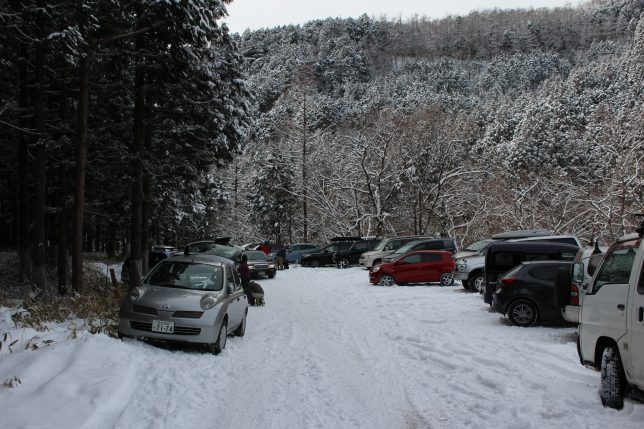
point(186, 275)
point(381, 244)
point(478, 246)
point(256, 256)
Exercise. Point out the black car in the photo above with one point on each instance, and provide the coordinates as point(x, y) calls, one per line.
point(502, 257)
point(425, 244)
point(526, 293)
point(260, 264)
point(351, 256)
point(326, 255)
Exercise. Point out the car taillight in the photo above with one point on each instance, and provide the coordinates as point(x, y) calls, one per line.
point(574, 294)
point(508, 281)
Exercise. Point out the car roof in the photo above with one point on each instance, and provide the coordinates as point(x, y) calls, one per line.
point(425, 240)
point(507, 235)
point(529, 245)
point(439, 252)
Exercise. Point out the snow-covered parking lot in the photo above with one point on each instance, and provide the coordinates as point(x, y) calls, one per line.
point(327, 351)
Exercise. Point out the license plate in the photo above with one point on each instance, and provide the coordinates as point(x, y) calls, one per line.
point(162, 326)
point(261, 272)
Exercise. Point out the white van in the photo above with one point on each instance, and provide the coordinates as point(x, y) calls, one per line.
point(611, 320)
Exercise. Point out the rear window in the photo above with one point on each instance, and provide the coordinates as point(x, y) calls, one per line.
point(504, 261)
point(544, 273)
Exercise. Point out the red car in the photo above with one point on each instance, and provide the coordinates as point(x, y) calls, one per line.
point(421, 266)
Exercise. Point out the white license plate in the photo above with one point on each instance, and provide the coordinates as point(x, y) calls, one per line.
point(162, 326)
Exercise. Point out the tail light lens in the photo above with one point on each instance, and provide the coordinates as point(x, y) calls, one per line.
point(508, 281)
point(574, 294)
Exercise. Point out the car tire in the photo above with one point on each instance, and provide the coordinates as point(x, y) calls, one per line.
point(271, 275)
point(343, 263)
point(522, 313)
point(386, 280)
point(315, 263)
point(241, 329)
point(612, 386)
point(220, 344)
point(447, 279)
point(376, 262)
point(466, 285)
point(475, 281)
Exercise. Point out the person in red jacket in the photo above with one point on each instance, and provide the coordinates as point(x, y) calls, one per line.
point(264, 247)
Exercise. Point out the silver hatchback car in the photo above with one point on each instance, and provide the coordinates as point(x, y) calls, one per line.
point(192, 299)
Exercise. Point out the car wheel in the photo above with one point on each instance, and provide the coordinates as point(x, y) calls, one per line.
point(612, 385)
point(220, 344)
point(476, 282)
point(522, 313)
point(376, 262)
point(241, 329)
point(466, 285)
point(387, 280)
point(343, 263)
point(271, 275)
point(447, 279)
point(315, 263)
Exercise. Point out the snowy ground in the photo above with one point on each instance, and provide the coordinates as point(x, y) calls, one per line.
point(327, 351)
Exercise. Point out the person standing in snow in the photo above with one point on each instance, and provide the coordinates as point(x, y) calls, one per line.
point(244, 271)
point(264, 247)
point(280, 256)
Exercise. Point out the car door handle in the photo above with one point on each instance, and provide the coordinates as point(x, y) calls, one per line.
point(621, 307)
point(641, 314)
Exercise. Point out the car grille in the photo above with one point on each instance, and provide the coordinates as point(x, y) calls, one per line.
point(260, 266)
point(187, 314)
point(178, 330)
point(144, 310)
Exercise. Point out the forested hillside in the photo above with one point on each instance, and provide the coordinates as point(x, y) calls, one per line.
point(126, 124)
point(463, 126)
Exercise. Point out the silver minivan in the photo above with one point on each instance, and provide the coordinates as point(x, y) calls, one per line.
point(384, 248)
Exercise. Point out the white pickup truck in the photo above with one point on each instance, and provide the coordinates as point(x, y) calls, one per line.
point(611, 320)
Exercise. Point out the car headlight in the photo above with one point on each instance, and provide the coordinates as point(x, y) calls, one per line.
point(375, 269)
point(461, 267)
point(271, 265)
point(135, 294)
point(306, 255)
point(208, 302)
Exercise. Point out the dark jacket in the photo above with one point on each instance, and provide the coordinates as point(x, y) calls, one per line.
point(244, 271)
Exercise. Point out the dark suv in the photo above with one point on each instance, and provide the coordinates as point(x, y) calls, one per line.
point(502, 257)
point(427, 244)
point(344, 258)
point(526, 292)
point(327, 254)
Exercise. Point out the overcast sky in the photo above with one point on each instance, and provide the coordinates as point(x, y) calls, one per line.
point(255, 14)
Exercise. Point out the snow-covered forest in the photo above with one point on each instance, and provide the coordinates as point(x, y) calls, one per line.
point(141, 122)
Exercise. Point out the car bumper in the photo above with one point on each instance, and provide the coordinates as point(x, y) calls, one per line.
point(459, 275)
point(499, 303)
point(570, 313)
point(374, 278)
point(203, 330)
